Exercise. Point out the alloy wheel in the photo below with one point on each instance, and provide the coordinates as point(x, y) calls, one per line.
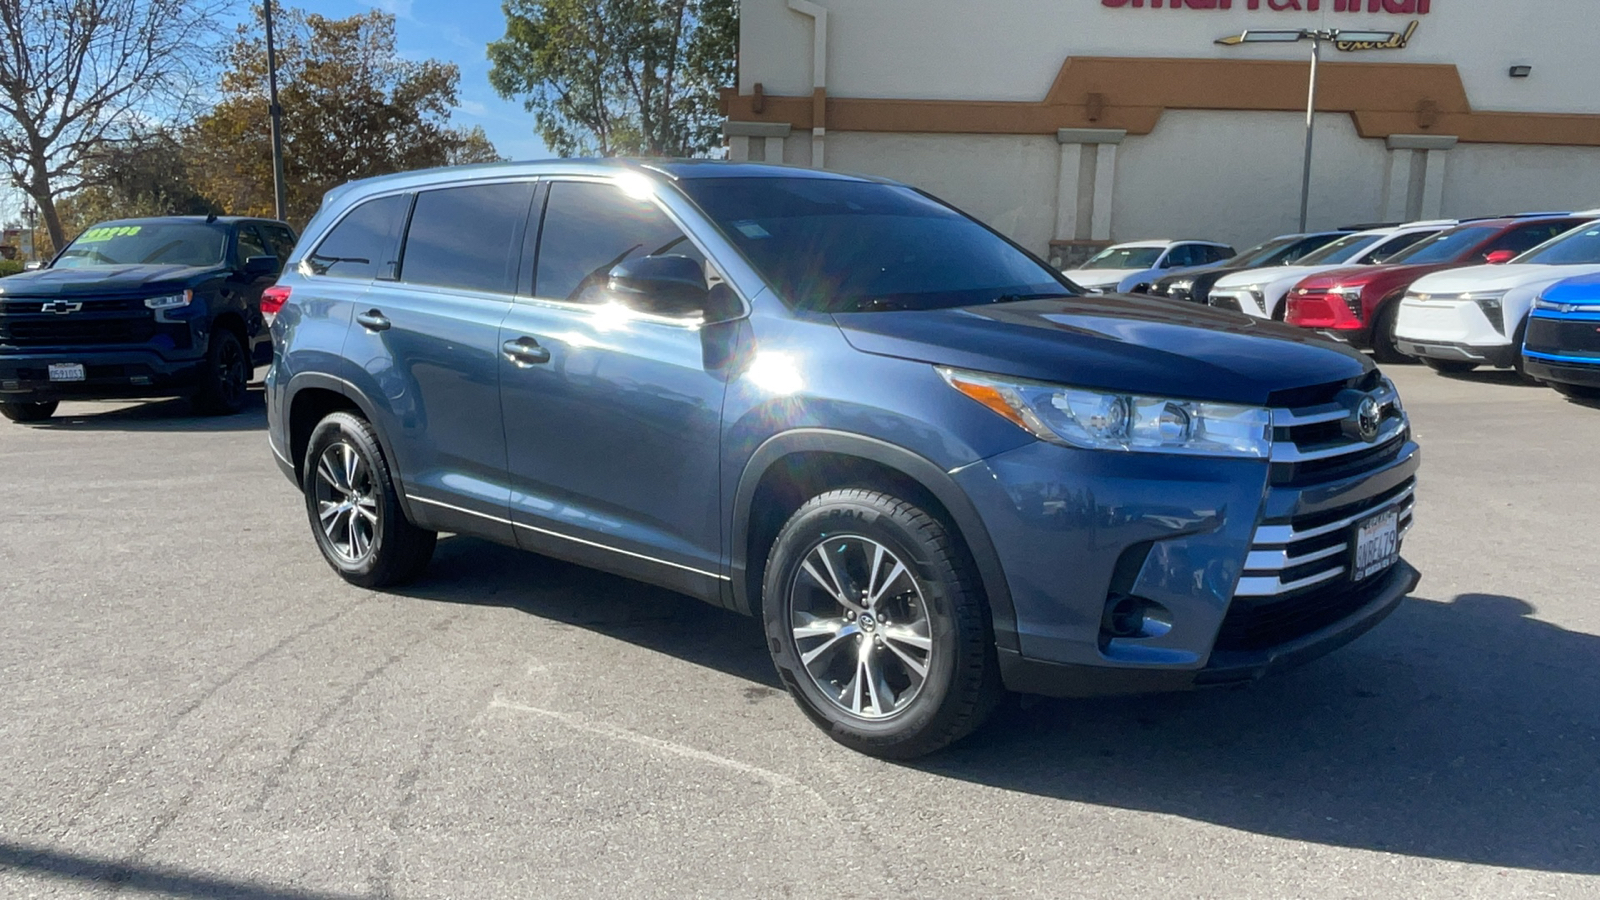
point(860, 626)
point(347, 503)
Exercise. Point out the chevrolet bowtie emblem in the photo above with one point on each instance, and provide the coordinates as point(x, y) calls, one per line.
point(60, 307)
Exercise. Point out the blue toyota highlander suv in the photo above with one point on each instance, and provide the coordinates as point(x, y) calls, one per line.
point(933, 467)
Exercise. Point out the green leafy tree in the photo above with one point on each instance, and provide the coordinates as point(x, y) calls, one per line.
point(352, 108)
point(619, 77)
point(80, 76)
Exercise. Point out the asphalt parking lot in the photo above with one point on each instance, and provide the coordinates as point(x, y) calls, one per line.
point(193, 705)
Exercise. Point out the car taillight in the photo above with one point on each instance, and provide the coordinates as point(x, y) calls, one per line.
point(273, 299)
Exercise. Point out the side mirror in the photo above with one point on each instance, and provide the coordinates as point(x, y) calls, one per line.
point(261, 265)
point(1499, 257)
point(663, 285)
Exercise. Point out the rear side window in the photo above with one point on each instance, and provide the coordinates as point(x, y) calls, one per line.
point(590, 227)
point(467, 237)
point(1181, 255)
point(363, 244)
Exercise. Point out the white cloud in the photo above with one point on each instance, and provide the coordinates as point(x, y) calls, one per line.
point(400, 9)
point(473, 108)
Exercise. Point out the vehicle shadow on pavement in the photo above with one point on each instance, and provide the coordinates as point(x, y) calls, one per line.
point(61, 866)
point(467, 570)
point(173, 415)
point(1465, 731)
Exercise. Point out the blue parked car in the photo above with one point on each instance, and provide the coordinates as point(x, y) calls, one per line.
point(930, 466)
point(1562, 346)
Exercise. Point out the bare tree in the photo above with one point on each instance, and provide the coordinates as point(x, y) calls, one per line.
point(77, 76)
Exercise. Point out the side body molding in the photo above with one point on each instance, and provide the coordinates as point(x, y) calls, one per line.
point(915, 467)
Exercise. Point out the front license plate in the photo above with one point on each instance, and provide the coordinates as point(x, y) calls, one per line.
point(1377, 544)
point(66, 371)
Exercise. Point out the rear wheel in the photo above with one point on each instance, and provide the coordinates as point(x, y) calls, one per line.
point(29, 412)
point(877, 625)
point(1384, 348)
point(1450, 366)
point(226, 377)
point(354, 508)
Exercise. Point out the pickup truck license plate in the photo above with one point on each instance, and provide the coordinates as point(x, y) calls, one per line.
point(1377, 544)
point(66, 371)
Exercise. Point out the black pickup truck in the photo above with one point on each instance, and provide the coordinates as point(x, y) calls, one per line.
point(155, 307)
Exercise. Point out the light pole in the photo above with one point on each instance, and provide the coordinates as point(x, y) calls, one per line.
point(276, 114)
point(1316, 36)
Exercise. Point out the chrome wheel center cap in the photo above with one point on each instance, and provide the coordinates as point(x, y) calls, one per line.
point(867, 622)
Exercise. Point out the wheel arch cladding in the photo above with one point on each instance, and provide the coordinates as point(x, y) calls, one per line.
point(791, 468)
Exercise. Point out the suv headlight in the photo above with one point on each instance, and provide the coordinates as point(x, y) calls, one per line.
point(1489, 302)
point(169, 301)
point(1102, 420)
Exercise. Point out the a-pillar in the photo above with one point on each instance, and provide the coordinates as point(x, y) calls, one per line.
point(1088, 178)
point(755, 141)
point(1413, 186)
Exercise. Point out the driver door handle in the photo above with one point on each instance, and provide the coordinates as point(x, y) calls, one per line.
point(372, 320)
point(525, 351)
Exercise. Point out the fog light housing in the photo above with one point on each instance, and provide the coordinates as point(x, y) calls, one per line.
point(1127, 617)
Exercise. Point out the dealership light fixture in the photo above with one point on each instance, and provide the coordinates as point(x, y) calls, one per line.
point(1316, 36)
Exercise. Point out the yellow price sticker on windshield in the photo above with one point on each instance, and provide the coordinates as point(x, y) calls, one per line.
point(95, 235)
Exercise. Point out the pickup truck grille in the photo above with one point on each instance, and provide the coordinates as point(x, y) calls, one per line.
point(32, 322)
point(1297, 576)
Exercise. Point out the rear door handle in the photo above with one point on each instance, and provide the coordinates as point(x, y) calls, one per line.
point(372, 320)
point(525, 351)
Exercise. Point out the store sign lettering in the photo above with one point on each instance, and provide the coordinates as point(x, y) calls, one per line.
point(1398, 7)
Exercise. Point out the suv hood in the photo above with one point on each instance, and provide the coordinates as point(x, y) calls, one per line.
point(1113, 342)
point(1248, 277)
point(1099, 277)
point(100, 280)
point(1495, 278)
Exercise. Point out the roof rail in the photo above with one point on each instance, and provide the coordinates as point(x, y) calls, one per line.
point(1368, 226)
point(1440, 222)
point(1535, 215)
point(1587, 212)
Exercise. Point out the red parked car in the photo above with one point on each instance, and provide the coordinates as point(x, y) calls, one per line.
point(1359, 305)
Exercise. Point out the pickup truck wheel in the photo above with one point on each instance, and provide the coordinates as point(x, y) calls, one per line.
point(877, 625)
point(29, 412)
point(227, 374)
point(1450, 366)
point(354, 509)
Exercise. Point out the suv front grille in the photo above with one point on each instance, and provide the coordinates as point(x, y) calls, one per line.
point(1551, 335)
point(1313, 441)
point(1297, 576)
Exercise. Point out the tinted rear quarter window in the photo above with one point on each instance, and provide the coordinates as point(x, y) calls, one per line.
point(467, 237)
point(364, 242)
point(590, 227)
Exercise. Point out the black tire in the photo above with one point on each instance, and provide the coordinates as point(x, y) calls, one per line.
point(29, 412)
point(226, 378)
point(393, 550)
point(1449, 366)
point(1384, 348)
point(1577, 391)
point(1519, 363)
point(938, 592)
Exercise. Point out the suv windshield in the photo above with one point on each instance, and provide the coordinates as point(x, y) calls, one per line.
point(1260, 253)
point(140, 243)
point(850, 246)
point(1444, 246)
point(1576, 248)
point(1124, 258)
point(1342, 250)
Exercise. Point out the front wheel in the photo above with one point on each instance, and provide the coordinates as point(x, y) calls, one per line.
point(29, 412)
point(1384, 348)
point(226, 376)
point(1450, 366)
point(877, 625)
point(354, 508)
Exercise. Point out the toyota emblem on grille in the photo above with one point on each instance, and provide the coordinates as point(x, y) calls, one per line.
point(60, 307)
point(1369, 415)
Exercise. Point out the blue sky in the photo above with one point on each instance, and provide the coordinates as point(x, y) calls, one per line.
point(455, 32)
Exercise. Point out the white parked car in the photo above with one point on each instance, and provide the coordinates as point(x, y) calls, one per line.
point(1260, 292)
point(1460, 319)
point(1120, 268)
